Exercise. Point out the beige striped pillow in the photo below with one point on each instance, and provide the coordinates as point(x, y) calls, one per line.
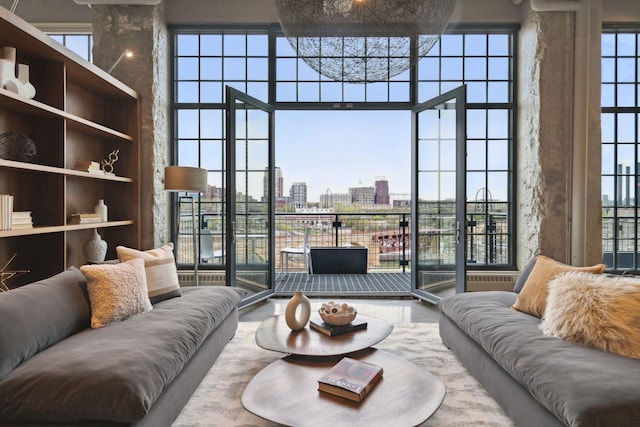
point(160, 269)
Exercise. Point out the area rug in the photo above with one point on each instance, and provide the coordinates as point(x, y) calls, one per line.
point(216, 402)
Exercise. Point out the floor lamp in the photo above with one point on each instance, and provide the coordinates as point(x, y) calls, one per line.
point(187, 179)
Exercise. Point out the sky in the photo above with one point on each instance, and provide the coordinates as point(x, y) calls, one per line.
point(337, 150)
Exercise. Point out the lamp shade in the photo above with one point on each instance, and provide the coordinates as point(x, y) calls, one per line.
point(185, 178)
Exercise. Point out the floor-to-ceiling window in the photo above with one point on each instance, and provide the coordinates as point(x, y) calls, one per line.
point(260, 62)
point(620, 145)
point(205, 62)
point(483, 61)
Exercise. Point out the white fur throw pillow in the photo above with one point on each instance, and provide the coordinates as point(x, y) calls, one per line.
point(116, 291)
point(595, 311)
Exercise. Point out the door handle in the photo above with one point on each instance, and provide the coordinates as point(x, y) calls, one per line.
point(233, 223)
point(457, 232)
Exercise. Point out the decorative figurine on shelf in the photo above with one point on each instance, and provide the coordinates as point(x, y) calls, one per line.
point(6, 275)
point(17, 146)
point(19, 85)
point(107, 165)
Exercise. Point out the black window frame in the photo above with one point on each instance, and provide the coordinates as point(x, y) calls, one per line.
point(273, 32)
point(620, 216)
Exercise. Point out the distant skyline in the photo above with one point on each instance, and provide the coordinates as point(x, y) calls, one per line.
point(341, 149)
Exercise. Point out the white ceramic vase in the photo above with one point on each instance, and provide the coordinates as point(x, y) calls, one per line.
point(8, 79)
point(294, 321)
point(101, 209)
point(8, 69)
point(25, 87)
point(95, 249)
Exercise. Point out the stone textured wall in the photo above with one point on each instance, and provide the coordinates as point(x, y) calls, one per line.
point(142, 29)
point(545, 123)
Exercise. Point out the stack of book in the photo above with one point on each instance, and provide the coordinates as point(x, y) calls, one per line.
point(350, 378)
point(89, 166)
point(84, 218)
point(6, 211)
point(21, 220)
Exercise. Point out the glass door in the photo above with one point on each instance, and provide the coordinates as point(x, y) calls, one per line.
point(249, 195)
point(438, 196)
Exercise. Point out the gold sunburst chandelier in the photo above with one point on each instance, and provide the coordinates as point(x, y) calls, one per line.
point(363, 41)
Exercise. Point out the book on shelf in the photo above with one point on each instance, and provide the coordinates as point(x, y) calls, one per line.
point(89, 166)
point(21, 220)
point(21, 215)
point(21, 226)
point(350, 378)
point(6, 211)
point(333, 330)
point(84, 218)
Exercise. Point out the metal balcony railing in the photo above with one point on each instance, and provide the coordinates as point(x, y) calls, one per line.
point(387, 236)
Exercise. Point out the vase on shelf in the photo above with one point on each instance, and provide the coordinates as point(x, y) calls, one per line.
point(102, 210)
point(95, 249)
point(294, 321)
point(8, 80)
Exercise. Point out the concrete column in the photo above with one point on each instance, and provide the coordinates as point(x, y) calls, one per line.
point(544, 152)
point(558, 158)
point(142, 29)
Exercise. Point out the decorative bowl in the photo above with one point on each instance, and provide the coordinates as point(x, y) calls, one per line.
point(337, 314)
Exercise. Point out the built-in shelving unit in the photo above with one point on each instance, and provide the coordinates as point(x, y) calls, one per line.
point(79, 113)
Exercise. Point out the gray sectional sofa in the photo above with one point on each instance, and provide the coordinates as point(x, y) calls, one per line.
point(56, 370)
point(539, 380)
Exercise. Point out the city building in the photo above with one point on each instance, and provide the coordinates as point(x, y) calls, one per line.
point(382, 191)
point(335, 199)
point(363, 195)
point(214, 193)
point(298, 195)
point(278, 183)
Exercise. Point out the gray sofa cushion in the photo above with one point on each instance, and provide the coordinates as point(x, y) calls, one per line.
point(38, 315)
point(524, 275)
point(115, 373)
point(581, 386)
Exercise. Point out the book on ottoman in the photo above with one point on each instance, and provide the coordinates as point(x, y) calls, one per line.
point(331, 330)
point(350, 378)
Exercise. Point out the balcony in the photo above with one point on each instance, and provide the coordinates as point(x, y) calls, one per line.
point(385, 235)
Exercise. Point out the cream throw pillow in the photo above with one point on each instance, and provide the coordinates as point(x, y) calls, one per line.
point(532, 299)
point(595, 311)
point(160, 268)
point(116, 291)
